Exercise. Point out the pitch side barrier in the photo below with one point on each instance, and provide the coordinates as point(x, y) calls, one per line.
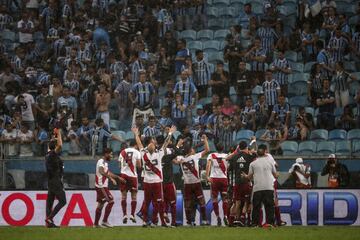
point(298, 207)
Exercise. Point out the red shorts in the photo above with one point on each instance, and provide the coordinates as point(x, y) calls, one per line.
point(153, 192)
point(169, 193)
point(218, 185)
point(242, 192)
point(103, 195)
point(130, 185)
point(192, 190)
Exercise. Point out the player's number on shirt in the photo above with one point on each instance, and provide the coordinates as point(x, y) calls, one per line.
point(186, 166)
point(153, 162)
point(128, 158)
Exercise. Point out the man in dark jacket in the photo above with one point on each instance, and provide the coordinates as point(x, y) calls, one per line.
point(338, 173)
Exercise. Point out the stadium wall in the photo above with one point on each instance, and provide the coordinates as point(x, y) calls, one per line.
point(298, 207)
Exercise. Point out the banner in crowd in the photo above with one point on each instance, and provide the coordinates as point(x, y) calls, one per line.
point(298, 207)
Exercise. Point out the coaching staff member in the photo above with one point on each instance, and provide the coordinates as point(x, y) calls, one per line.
point(262, 171)
point(54, 169)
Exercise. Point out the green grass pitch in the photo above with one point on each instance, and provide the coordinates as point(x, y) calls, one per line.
point(186, 233)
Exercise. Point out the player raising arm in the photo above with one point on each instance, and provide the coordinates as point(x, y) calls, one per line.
point(192, 186)
point(153, 176)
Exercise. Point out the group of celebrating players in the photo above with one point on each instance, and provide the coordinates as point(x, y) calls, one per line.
point(155, 157)
point(229, 175)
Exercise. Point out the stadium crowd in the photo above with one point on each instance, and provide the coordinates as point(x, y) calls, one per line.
point(79, 67)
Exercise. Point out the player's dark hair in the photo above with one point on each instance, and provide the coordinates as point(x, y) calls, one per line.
point(107, 150)
point(147, 140)
point(132, 142)
point(261, 150)
point(242, 145)
point(219, 147)
point(160, 140)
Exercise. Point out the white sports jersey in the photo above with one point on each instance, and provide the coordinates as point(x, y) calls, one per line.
point(127, 159)
point(190, 168)
point(271, 158)
point(152, 175)
point(100, 180)
point(217, 161)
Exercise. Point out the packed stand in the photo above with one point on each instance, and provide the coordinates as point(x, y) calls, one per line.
point(281, 71)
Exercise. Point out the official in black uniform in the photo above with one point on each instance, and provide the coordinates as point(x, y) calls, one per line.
point(241, 187)
point(55, 171)
point(169, 189)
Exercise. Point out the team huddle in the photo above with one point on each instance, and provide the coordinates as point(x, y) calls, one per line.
point(245, 180)
point(229, 175)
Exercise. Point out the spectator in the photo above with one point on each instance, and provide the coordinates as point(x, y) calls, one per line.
point(268, 38)
point(324, 59)
point(26, 28)
point(225, 134)
point(98, 137)
point(26, 104)
point(181, 55)
point(342, 80)
point(248, 114)
point(301, 173)
point(315, 83)
point(338, 46)
point(338, 174)
point(188, 92)
point(72, 136)
point(227, 108)
point(308, 39)
point(151, 130)
point(122, 92)
point(300, 131)
point(308, 118)
point(8, 138)
point(355, 44)
point(245, 16)
point(45, 106)
point(215, 100)
point(326, 104)
point(178, 111)
point(215, 119)
point(347, 120)
point(257, 57)
point(201, 115)
point(165, 119)
point(164, 66)
point(67, 103)
point(25, 137)
point(41, 139)
point(273, 137)
point(102, 103)
point(233, 54)
point(136, 68)
point(281, 69)
point(271, 89)
point(282, 111)
point(261, 112)
point(244, 82)
point(202, 74)
point(220, 81)
point(141, 95)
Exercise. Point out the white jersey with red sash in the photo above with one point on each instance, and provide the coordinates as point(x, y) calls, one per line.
point(127, 159)
point(218, 165)
point(100, 180)
point(152, 165)
point(190, 168)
